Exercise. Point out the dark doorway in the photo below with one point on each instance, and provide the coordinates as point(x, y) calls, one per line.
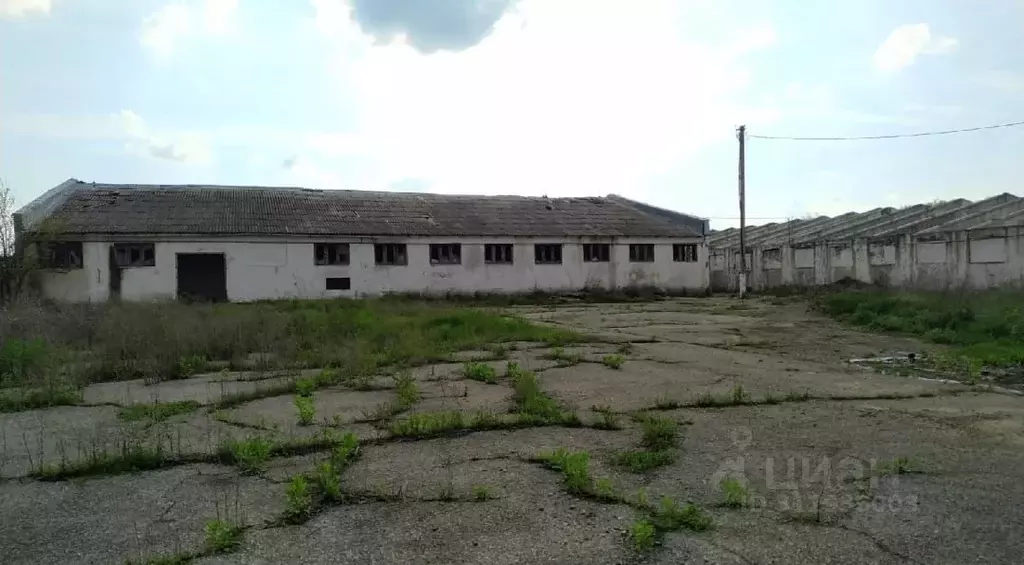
point(115, 276)
point(202, 277)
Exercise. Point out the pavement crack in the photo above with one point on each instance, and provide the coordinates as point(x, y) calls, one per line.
point(882, 546)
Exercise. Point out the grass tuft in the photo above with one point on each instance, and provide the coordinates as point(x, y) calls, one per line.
point(427, 424)
point(222, 536)
point(157, 411)
point(670, 516)
point(299, 500)
point(659, 433)
point(641, 461)
point(407, 390)
point(482, 493)
point(249, 455)
point(480, 372)
point(328, 481)
point(735, 492)
point(306, 408)
point(613, 361)
point(642, 535)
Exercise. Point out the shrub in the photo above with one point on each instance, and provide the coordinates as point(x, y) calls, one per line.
point(736, 494)
point(345, 452)
point(658, 433)
point(642, 534)
point(305, 386)
point(328, 480)
point(407, 390)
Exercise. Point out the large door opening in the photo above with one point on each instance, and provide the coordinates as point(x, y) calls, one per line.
point(202, 277)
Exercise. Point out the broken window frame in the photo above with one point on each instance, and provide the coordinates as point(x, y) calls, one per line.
point(498, 254)
point(328, 254)
point(131, 255)
point(343, 283)
point(684, 252)
point(547, 253)
point(641, 253)
point(597, 252)
point(64, 255)
point(445, 253)
point(390, 254)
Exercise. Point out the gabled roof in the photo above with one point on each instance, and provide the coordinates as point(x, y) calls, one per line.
point(77, 207)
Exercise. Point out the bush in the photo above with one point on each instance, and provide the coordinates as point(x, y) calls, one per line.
point(480, 372)
point(299, 502)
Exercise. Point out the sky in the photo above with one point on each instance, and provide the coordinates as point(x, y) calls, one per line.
point(529, 97)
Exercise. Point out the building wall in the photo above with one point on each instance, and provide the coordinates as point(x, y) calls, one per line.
point(268, 269)
point(978, 259)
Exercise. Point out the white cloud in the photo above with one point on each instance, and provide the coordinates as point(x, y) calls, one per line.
point(165, 28)
point(568, 97)
point(906, 43)
point(126, 126)
point(22, 8)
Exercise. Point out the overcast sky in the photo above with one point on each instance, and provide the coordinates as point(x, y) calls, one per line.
point(532, 97)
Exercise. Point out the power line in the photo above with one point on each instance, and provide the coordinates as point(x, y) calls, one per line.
point(893, 136)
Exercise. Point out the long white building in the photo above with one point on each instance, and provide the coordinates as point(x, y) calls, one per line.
point(144, 242)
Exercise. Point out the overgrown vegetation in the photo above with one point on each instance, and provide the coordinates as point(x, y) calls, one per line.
point(306, 409)
point(480, 372)
point(222, 536)
point(658, 436)
point(250, 454)
point(74, 344)
point(658, 433)
point(642, 535)
point(985, 327)
point(642, 461)
point(157, 411)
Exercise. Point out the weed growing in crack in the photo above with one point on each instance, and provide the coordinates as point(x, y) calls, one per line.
point(16, 400)
point(642, 535)
point(498, 351)
point(483, 420)
point(482, 493)
point(770, 398)
point(222, 536)
point(613, 361)
point(532, 401)
point(658, 433)
point(739, 396)
point(249, 455)
point(134, 455)
point(706, 400)
point(407, 390)
point(299, 504)
point(328, 481)
point(305, 386)
point(480, 372)
point(624, 348)
point(177, 559)
point(345, 452)
point(604, 490)
point(665, 403)
point(513, 370)
point(797, 396)
point(157, 411)
point(735, 492)
point(564, 359)
point(670, 516)
point(306, 409)
point(609, 419)
point(427, 424)
point(642, 461)
point(894, 466)
point(574, 466)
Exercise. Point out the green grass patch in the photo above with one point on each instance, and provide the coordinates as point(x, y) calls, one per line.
point(658, 433)
point(564, 359)
point(133, 456)
point(986, 327)
point(298, 500)
point(19, 399)
point(480, 372)
point(642, 461)
point(735, 493)
point(157, 411)
point(532, 401)
point(482, 493)
point(250, 455)
point(613, 361)
point(574, 467)
point(428, 424)
point(642, 535)
point(222, 536)
point(306, 409)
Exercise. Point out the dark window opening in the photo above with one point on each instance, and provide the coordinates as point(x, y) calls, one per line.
point(684, 252)
point(61, 254)
point(641, 252)
point(550, 253)
point(596, 252)
point(445, 253)
point(330, 253)
point(498, 253)
point(135, 254)
point(339, 283)
point(390, 254)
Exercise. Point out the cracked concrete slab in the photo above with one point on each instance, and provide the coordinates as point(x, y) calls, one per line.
point(204, 389)
point(111, 519)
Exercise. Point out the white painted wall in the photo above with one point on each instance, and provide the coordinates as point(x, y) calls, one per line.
point(269, 269)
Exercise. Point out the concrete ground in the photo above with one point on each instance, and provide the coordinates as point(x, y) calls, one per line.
point(811, 439)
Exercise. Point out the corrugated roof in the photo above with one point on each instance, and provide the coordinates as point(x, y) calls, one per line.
point(88, 208)
point(1002, 210)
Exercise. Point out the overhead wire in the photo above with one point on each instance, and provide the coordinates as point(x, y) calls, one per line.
point(890, 136)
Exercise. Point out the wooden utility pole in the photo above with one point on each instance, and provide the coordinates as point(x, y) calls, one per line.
point(741, 134)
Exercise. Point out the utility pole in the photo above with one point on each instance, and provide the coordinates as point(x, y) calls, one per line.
point(741, 135)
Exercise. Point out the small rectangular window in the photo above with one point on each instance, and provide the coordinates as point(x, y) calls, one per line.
point(135, 255)
point(339, 283)
point(330, 253)
point(390, 254)
point(547, 253)
point(498, 253)
point(61, 254)
point(445, 253)
point(596, 252)
point(684, 252)
point(641, 252)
